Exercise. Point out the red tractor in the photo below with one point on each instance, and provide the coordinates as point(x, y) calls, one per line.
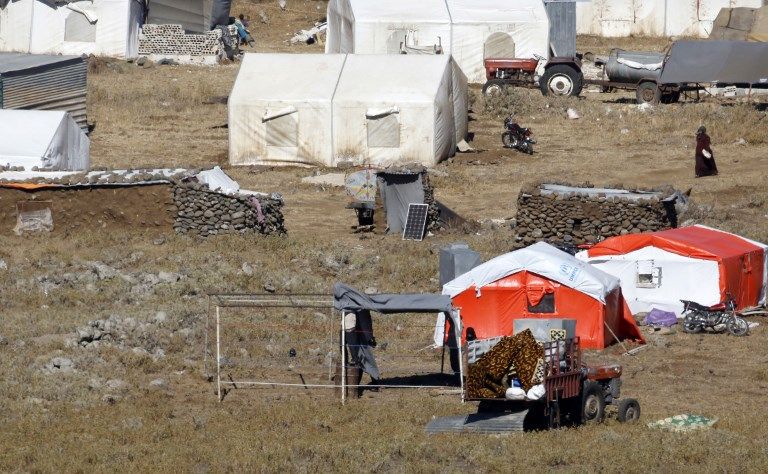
point(556, 76)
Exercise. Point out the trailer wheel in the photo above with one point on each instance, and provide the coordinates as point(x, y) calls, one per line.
point(561, 80)
point(592, 403)
point(629, 410)
point(648, 93)
point(494, 88)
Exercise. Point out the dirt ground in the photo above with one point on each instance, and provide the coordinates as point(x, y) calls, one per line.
point(140, 399)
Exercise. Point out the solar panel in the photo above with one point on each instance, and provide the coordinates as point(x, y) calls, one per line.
point(416, 223)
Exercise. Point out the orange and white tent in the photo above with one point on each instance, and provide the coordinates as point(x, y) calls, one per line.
point(694, 263)
point(542, 282)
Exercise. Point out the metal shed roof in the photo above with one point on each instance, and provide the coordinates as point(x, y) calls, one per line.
point(14, 62)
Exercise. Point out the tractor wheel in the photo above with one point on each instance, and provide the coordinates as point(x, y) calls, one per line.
point(561, 80)
point(738, 326)
point(648, 93)
point(629, 410)
point(592, 403)
point(494, 88)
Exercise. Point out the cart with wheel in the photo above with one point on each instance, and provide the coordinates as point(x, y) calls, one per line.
point(574, 394)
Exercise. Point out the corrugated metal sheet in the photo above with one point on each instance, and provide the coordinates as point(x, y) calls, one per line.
point(562, 27)
point(40, 82)
point(193, 15)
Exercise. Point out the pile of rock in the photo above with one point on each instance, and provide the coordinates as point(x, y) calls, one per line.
point(579, 216)
point(204, 212)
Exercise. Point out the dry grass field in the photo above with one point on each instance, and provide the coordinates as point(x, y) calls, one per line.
point(109, 412)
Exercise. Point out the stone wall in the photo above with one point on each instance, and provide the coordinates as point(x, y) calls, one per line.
point(574, 218)
point(203, 212)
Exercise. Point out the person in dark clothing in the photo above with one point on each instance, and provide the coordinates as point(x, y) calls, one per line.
point(705, 158)
point(360, 343)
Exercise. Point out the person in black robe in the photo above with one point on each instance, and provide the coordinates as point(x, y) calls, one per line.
point(705, 158)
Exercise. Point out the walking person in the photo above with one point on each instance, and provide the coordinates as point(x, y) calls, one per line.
point(705, 158)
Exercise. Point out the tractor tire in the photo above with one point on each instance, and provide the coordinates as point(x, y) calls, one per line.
point(494, 88)
point(561, 80)
point(648, 93)
point(592, 403)
point(628, 410)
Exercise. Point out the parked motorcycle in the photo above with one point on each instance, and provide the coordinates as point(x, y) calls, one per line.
point(517, 137)
point(697, 317)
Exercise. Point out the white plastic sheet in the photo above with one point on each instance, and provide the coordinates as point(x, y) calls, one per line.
point(541, 259)
point(48, 140)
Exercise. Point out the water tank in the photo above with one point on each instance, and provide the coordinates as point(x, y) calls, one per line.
point(627, 66)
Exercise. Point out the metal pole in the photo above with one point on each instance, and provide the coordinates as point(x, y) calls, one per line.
point(218, 352)
point(442, 357)
point(458, 331)
point(343, 360)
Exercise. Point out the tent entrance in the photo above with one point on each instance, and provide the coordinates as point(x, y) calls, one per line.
point(499, 45)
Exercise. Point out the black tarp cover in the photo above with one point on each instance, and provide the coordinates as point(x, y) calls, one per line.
point(709, 61)
point(346, 298)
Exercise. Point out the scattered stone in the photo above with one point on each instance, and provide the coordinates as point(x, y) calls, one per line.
point(134, 423)
point(161, 317)
point(117, 386)
point(330, 179)
point(247, 269)
point(158, 384)
point(59, 365)
point(371, 290)
point(572, 114)
point(3, 265)
point(168, 277)
point(624, 131)
point(741, 142)
point(159, 241)
point(269, 288)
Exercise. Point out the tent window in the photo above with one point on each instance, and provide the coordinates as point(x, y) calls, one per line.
point(283, 131)
point(499, 45)
point(78, 28)
point(648, 275)
point(384, 132)
point(545, 305)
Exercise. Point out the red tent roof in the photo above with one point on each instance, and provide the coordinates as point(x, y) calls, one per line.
point(695, 241)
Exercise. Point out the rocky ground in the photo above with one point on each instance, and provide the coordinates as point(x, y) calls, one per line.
point(106, 331)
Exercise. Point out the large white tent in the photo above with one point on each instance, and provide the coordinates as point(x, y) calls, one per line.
point(284, 117)
point(618, 18)
point(330, 109)
point(48, 140)
point(99, 27)
point(470, 30)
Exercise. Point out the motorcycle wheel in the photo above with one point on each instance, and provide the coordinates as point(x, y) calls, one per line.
point(738, 326)
point(529, 149)
point(690, 325)
point(507, 140)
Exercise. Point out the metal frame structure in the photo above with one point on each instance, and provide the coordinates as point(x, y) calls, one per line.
point(316, 301)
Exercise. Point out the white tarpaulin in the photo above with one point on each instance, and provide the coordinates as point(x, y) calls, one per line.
point(618, 18)
point(101, 27)
point(541, 259)
point(48, 140)
point(331, 108)
point(470, 30)
point(268, 86)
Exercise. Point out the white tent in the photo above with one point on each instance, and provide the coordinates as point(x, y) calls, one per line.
point(328, 109)
point(49, 140)
point(283, 117)
point(99, 27)
point(618, 18)
point(695, 263)
point(541, 259)
point(470, 30)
